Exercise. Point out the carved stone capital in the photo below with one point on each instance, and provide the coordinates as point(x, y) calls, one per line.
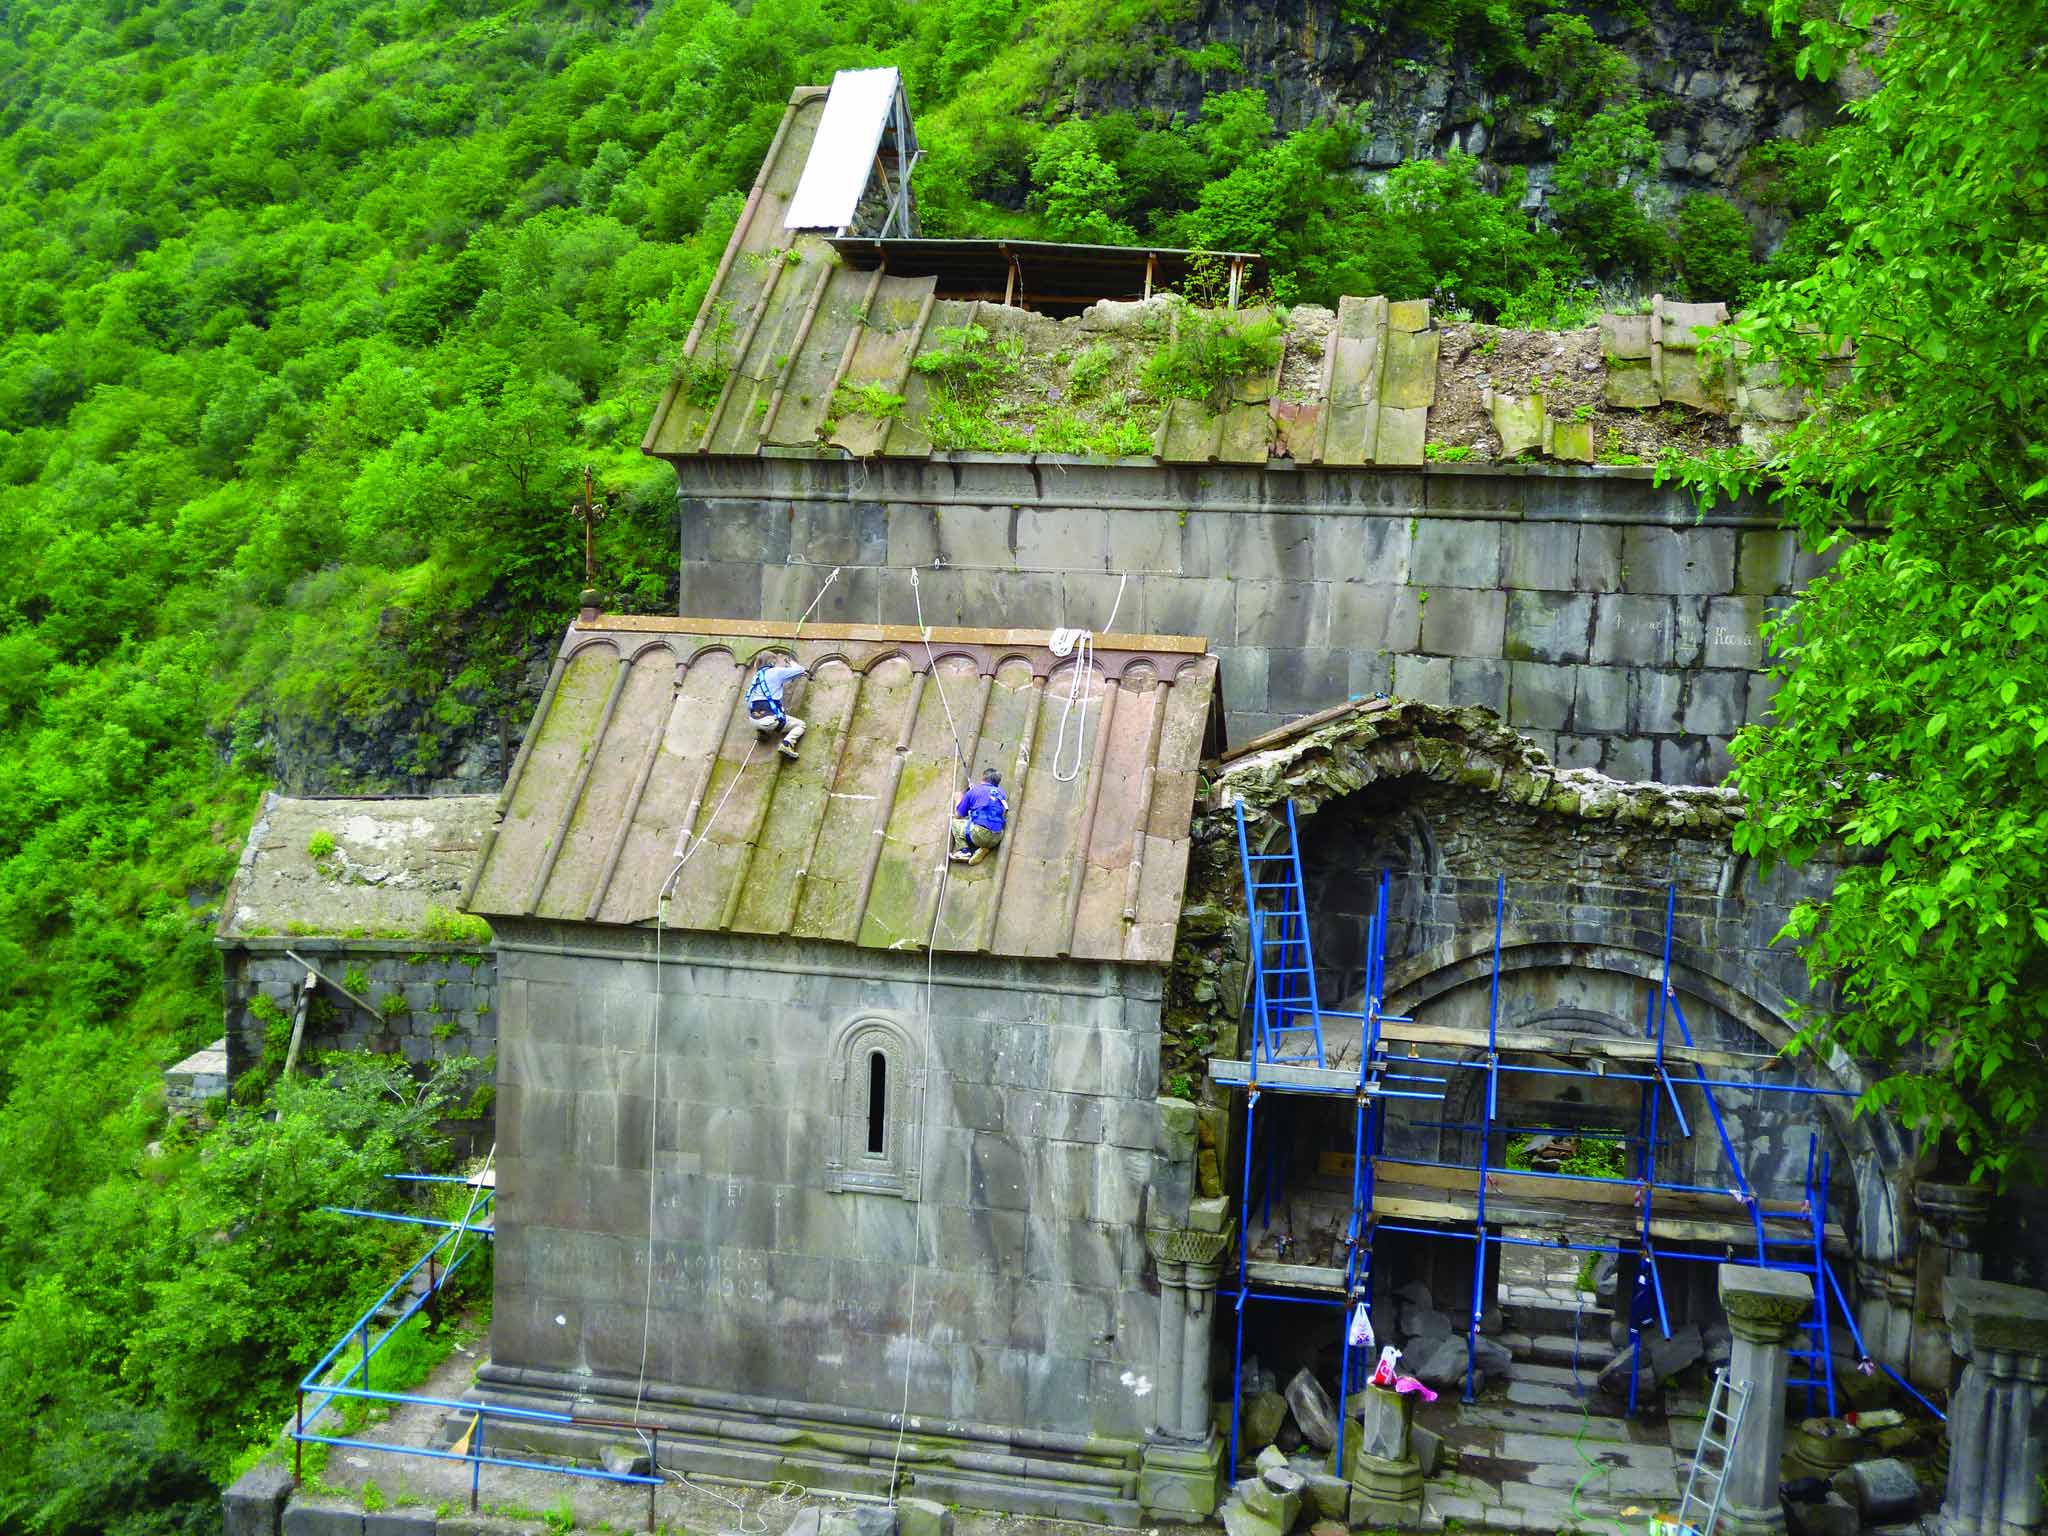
point(1185, 1245)
point(1952, 1215)
point(2002, 1328)
point(1764, 1306)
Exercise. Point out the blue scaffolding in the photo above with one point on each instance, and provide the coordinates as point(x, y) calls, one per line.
point(1288, 1053)
point(411, 1293)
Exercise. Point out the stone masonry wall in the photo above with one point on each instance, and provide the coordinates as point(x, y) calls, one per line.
point(449, 994)
point(1022, 1111)
point(1604, 617)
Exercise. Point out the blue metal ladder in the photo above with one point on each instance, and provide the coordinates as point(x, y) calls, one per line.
point(1817, 1359)
point(1283, 967)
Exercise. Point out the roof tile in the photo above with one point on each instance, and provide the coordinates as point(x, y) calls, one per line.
point(643, 773)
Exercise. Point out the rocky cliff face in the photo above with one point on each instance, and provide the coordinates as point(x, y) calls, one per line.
point(1716, 84)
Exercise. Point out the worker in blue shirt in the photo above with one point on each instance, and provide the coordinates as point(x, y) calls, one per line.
point(979, 818)
point(765, 706)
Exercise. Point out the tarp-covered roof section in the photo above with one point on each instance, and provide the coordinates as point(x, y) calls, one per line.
point(864, 117)
point(641, 759)
point(357, 866)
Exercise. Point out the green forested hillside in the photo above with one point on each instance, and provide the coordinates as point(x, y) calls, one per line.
point(312, 314)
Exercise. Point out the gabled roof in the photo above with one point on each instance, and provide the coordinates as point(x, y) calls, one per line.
point(354, 866)
point(640, 771)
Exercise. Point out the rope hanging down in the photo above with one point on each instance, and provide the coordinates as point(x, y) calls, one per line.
point(1079, 644)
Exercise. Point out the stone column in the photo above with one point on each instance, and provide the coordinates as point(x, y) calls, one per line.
point(1884, 1311)
point(1765, 1308)
point(1203, 1276)
point(1181, 1473)
point(1951, 1223)
point(1998, 1417)
point(1173, 1312)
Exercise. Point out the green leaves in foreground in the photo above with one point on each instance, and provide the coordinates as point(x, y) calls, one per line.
point(1913, 719)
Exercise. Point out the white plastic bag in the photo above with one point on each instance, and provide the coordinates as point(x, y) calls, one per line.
point(1360, 1336)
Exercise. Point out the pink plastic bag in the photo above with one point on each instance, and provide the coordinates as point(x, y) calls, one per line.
point(1410, 1384)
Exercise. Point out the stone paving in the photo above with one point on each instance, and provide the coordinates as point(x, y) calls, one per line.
point(1539, 1452)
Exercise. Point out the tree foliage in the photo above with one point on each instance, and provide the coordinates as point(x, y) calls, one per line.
point(1912, 723)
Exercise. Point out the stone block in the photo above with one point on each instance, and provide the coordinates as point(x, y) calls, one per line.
point(302, 1518)
point(1312, 1410)
point(1089, 597)
point(724, 589)
point(1883, 1491)
point(1657, 702)
point(1684, 760)
point(1366, 616)
point(1480, 680)
point(1635, 631)
point(1600, 699)
point(1629, 386)
point(1243, 674)
point(1280, 613)
point(1452, 552)
point(1371, 672)
point(1731, 636)
point(1060, 538)
point(1571, 441)
point(1327, 1494)
point(1270, 547)
point(1599, 567)
point(1715, 703)
point(1423, 678)
point(1203, 606)
point(1374, 550)
point(1832, 1515)
point(1010, 599)
point(1763, 561)
point(253, 1504)
point(1464, 622)
point(1239, 1520)
point(1684, 562)
point(1185, 1481)
point(1387, 1417)
point(1260, 1418)
point(1543, 556)
point(1300, 682)
point(1518, 422)
point(1539, 696)
point(1548, 626)
point(405, 1522)
point(923, 1517)
point(1427, 1447)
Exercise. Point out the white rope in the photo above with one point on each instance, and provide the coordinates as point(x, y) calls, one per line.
point(1079, 644)
point(475, 1193)
point(924, 1094)
point(818, 599)
point(654, 1107)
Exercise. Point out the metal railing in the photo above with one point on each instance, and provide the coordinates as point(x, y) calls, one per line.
point(440, 1263)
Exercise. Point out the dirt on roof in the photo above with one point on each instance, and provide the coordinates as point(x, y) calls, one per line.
point(1567, 369)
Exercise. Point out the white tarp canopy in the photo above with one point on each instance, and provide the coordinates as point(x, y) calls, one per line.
point(843, 154)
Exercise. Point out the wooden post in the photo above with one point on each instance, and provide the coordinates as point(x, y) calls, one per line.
point(1150, 259)
point(1236, 276)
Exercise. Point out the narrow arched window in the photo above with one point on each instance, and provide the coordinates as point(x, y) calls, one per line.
point(878, 1102)
point(875, 1086)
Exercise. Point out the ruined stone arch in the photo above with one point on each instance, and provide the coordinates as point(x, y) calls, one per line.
point(1878, 1156)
